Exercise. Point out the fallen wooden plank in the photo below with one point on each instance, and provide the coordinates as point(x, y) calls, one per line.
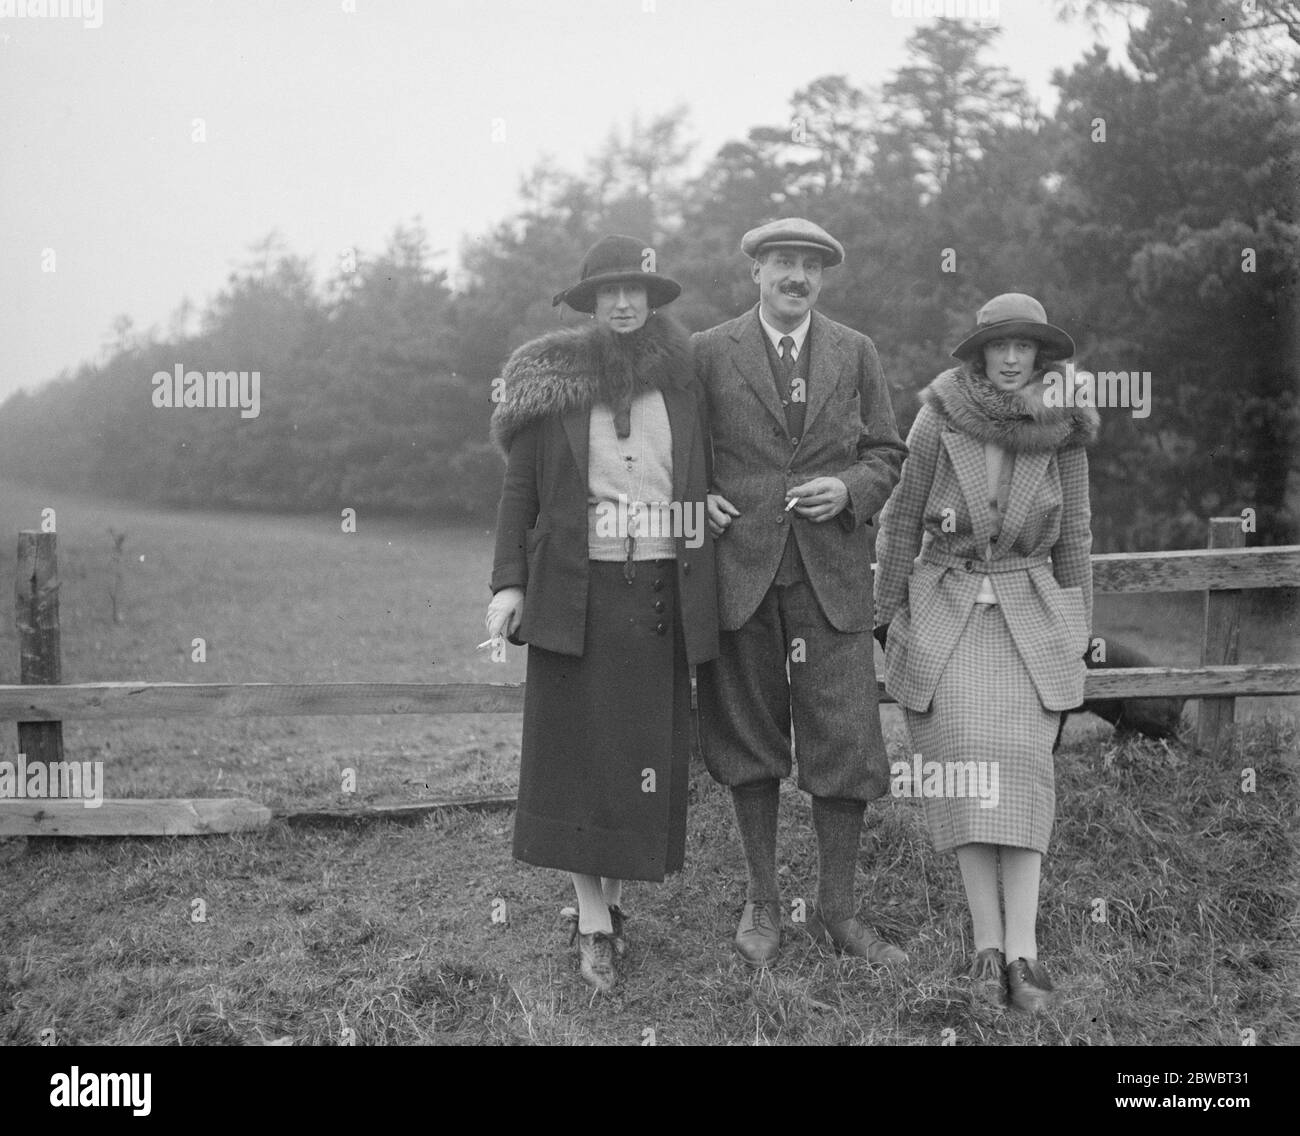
point(137, 816)
point(400, 814)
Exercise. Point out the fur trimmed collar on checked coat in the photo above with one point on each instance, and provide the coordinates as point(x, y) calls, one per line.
point(1019, 421)
point(575, 367)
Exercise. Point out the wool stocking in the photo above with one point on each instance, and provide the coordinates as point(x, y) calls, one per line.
point(756, 814)
point(1021, 868)
point(593, 912)
point(979, 872)
point(839, 830)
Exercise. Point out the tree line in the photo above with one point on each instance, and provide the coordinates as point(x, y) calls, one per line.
point(1153, 213)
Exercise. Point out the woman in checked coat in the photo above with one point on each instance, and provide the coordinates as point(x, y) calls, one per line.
point(604, 568)
point(983, 601)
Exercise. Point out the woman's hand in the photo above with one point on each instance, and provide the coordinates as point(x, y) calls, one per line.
point(505, 612)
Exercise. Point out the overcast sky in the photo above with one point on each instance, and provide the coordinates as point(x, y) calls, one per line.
point(334, 126)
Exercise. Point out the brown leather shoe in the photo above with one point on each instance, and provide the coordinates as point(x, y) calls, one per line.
point(758, 937)
point(988, 976)
point(617, 920)
point(596, 960)
point(1031, 989)
point(856, 940)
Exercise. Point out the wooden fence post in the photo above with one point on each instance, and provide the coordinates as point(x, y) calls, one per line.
point(1219, 642)
point(36, 612)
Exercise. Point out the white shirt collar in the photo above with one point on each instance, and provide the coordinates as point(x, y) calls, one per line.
point(799, 335)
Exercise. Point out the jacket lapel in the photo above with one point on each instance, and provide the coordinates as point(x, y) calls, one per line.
point(1025, 479)
point(827, 362)
point(749, 357)
point(967, 456)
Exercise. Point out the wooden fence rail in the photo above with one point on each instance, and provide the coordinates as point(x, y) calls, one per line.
point(40, 703)
point(104, 700)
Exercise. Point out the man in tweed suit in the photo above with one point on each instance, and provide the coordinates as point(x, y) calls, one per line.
point(805, 453)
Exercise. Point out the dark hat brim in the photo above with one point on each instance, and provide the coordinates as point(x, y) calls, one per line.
point(1056, 343)
point(659, 290)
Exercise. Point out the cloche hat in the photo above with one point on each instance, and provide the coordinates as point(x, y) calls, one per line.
point(1010, 315)
point(613, 260)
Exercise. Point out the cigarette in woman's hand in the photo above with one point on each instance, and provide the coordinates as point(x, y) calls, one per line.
point(489, 642)
point(791, 503)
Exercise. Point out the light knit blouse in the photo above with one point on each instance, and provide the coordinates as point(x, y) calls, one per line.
point(998, 464)
point(630, 483)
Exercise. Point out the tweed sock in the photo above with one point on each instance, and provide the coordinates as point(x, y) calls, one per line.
point(613, 891)
point(593, 912)
point(756, 812)
point(1021, 868)
point(839, 830)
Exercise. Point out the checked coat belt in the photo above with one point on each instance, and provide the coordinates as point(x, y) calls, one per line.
point(935, 545)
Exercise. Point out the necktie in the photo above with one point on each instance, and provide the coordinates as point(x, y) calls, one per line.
point(787, 355)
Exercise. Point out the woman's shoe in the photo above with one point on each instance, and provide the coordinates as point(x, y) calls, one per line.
point(1031, 988)
point(597, 960)
point(988, 977)
point(617, 919)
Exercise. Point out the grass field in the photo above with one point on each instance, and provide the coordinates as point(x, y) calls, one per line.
point(386, 931)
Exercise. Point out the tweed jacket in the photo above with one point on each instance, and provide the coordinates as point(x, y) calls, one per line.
point(1039, 564)
point(543, 425)
point(849, 433)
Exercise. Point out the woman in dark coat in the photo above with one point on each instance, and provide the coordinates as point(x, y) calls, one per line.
point(985, 630)
point(604, 568)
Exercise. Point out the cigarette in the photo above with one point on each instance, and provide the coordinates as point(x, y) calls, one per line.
point(488, 642)
point(791, 503)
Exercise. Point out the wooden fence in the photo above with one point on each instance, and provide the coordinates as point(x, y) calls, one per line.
point(41, 703)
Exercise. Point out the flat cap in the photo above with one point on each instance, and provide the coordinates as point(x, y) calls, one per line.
point(793, 231)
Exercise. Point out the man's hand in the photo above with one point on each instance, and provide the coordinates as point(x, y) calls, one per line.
point(720, 513)
point(820, 499)
point(505, 612)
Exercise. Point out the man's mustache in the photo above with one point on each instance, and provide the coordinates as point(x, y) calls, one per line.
point(795, 289)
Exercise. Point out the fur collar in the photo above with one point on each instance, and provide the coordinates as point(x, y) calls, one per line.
point(1019, 421)
point(574, 367)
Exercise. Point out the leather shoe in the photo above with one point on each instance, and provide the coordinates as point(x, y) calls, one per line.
point(856, 940)
point(617, 919)
point(1031, 988)
point(988, 976)
point(596, 960)
point(758, 937)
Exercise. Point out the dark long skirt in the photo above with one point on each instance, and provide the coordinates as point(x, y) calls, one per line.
point(605, 757)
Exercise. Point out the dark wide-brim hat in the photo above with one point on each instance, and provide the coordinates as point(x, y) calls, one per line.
point(797, 233)
point(1014, 315)
point(617, 260)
